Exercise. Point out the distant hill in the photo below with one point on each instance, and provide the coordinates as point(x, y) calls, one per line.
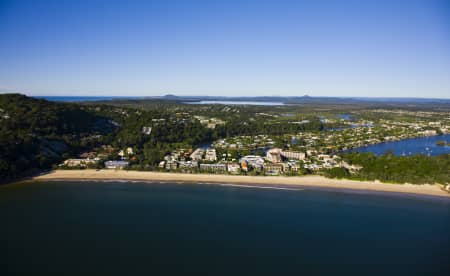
point(170, 97)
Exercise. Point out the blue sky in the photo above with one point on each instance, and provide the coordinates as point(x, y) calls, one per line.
point(233, 48)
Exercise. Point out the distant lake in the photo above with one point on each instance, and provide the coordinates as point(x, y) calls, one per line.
point(421, 145)
point(83, 98)
point(124, 228)
point(236, 103)
point(346, 117)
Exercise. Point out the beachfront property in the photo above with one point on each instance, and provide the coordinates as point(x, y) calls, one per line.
point(274, 168)
point(233, 168)
point(217, 168)
point(293, 167)
point(188, 164)
point(171, 165)
point(293, 155)
point(116, 165)
point(197, 155)
point(79, 162)
point(251, 161)
point(210, 154)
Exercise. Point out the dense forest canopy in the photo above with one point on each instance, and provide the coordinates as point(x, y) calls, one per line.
point(416, 169)
point(34, 134)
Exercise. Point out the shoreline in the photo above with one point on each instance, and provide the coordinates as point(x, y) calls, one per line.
point(309, 181)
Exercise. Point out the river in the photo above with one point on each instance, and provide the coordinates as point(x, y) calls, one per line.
point(422, 145)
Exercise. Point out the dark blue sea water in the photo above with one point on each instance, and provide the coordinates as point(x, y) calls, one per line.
point(83, 98)
point(117, 228)
point(422, 145)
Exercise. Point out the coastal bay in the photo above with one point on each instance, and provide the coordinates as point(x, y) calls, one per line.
point(117, 227)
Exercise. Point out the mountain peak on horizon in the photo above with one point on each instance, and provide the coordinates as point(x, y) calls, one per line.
point(170, 96)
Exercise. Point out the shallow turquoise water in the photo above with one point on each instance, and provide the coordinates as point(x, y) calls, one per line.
point(117, 228)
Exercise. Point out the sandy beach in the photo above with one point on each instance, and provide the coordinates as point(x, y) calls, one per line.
point(298, 181)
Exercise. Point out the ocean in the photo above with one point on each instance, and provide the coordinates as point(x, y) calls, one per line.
point(135, 228)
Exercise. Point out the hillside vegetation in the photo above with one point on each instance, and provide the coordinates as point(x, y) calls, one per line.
point(34, 134)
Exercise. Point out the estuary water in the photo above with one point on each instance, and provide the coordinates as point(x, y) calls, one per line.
point(421, 145)
point(124, 228)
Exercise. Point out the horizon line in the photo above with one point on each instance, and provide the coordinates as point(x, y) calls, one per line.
point(249, 97)
point(256, 96)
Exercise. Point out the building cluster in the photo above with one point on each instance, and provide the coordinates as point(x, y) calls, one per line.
point(179, 159)
point(280, 154)
point(209, 122)
point(203, 160)
point(91, 159)
point(79, 162)
point(276, 161)
point(287, 160)
point(84, 160)
point(245, 142)
point(361, 134)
